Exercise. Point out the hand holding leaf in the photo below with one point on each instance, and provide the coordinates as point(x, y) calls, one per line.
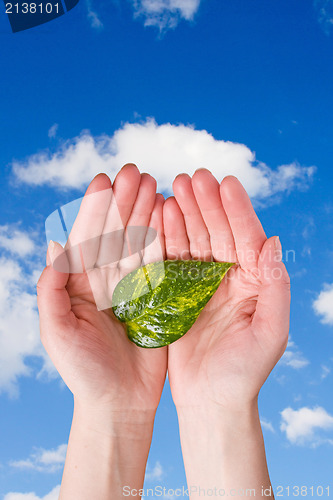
point(89, 347)
point(242, 332)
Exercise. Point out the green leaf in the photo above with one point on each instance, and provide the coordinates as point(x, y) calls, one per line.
point(160, 301)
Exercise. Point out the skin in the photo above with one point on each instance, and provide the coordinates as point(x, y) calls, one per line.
point(216, 370)
point(116, 385)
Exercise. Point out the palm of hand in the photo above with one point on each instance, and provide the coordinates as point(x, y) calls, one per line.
point(230, 350)
point(88, 346)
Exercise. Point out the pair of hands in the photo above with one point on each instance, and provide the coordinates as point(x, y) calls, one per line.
point(242, 332)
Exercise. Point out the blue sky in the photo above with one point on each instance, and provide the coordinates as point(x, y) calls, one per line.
point(239, 87)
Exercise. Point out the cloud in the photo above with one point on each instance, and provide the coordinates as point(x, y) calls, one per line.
point(155, 473)
point(306, 251)
point(323, 305)
point(53, 130)
point(293, 357)
point(53, 495)
point(299, 274)
point(95, 21)
point(324, 9)
point(163, 151)
point(309, 228)
point(16, 241)
point(325, 371)
point(42, 460)
point(165, 14)
point(265, 424)
point(300, 425)
point(19, 328)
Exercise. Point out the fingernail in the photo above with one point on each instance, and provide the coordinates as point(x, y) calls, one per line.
point(278, 249)
point(129, 165)
point(179, 175)
point(201, 168)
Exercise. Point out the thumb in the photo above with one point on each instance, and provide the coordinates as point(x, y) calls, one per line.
point(52, 297)
point(273, 306)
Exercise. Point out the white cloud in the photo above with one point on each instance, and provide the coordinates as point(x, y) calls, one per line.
point(53, 130)
point(325, 371)
point(309, 229)
point(323, 305)
point(19, 331)
point(306, 251)
point(324, 9)
point(299, 274)
point(155, 473)
point(163, 151)
point(19, 328)
point(93, 18)
point(52, 495)
point(43, 460)
point(281, 379)
point(265, 424)
point(165, 14)
point(300, 425)
point(293, 357)
point(16, 241)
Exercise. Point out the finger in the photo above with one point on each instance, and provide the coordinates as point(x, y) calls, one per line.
point(126, 187)
point(138, 220)
point(247, 230)
point(154, 251)
point(84, 238)
point(195, 226)
point(54, 304)
point(271, 319)
point(125, 190)
point(177, 245)
point(207, 194)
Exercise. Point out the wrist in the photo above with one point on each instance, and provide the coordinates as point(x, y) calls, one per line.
point(208, 408)
point(103, 419)
point(222, 419)
point(229, 442)
point(107, 451)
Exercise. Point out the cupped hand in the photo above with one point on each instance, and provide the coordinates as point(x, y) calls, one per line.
point(88, 346)
point(242, 332)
